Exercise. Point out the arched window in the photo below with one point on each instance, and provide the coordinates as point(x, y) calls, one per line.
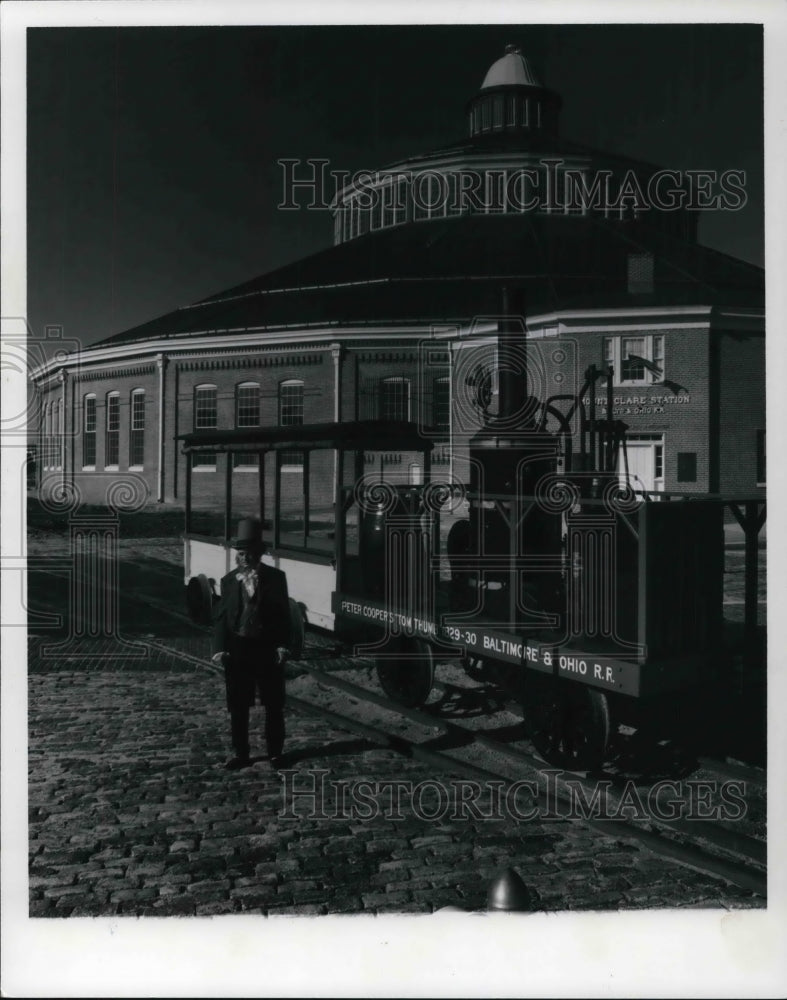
point(442, 403)
point(136, 438)
point(50, 452)
point(205, 418)
point(45, 435)
point(112, 433)
point(291, 413)
point(59, 433)
point(291, 402)
point(89, 431)
point(50, 424)
point(41, 438)
point(387, 192)
point(497, 112)
point(205, 407)
point(395, 399)
point(247, 414)
point(247, 404)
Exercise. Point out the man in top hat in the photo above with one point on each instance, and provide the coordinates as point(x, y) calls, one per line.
point(250, 638)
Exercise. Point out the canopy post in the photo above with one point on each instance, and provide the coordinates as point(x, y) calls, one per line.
point(227, 497)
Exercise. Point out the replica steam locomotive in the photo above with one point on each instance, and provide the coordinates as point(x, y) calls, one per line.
point(544, 571)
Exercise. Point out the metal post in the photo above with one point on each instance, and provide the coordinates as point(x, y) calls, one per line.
point(751, 527)
point(592, 418)
point(261, 486)
point(610, 435)
point(276, 499)
point(339, 520)
point(306, 499)
point(188, 491)
point(227, 497)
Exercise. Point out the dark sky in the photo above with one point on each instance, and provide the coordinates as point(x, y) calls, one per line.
point(152, 174)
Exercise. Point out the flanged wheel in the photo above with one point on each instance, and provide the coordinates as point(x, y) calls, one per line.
point(199, 599)
point(474, 667)
point(406, 670)
point(569, 723)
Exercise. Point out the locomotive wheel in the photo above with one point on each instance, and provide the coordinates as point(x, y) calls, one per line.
point(569, 723)
point(297, 630)
point(474, 667)
point(199, 600)
point(406, 671)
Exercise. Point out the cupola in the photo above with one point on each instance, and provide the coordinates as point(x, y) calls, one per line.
point(512, 99)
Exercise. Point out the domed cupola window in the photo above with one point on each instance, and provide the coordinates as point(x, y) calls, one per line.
point(512, 99)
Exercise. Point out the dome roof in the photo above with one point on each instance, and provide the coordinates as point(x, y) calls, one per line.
point(512, 70)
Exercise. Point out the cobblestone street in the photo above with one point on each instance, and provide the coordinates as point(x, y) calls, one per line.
point(132, 812)
point(133, 815)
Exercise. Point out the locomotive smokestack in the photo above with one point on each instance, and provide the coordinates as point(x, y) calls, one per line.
point(512, 364)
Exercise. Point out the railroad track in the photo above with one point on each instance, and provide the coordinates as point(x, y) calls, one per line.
point(712, 849)
point(709, 847)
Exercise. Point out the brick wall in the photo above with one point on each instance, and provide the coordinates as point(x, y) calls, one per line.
point(679, 413)
point(313, 368)
point(716, 421)
point(94, 483)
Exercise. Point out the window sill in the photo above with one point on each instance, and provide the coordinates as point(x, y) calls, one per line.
point(111, 468)
point(88, 468)
point(136, 468)
point(246, 468)
point(203, 468)
point(292, 468)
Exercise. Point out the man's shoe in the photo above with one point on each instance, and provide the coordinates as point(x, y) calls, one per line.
point(236, 763)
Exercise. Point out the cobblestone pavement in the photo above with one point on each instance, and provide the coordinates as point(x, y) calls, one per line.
point(131, 812)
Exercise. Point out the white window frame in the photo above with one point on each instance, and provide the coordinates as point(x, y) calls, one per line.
point(442, 380)
point(88, 467)
point(398, 379)
point(654, 344)
point(290, 466)
point(244, 462)
point(111, 466)
point(207, 467)
point(60, 438)
point(136, 393)
point(195, 423)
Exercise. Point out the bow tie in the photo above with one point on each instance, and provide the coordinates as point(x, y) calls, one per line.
point(249, 579)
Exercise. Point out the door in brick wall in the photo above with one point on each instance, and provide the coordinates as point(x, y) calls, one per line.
point(645, 463)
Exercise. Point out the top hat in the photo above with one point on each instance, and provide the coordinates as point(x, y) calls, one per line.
point(249, 533)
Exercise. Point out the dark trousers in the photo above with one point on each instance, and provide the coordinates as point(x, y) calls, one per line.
point(252, 669)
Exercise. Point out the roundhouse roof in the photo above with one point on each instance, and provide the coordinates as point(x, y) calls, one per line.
point(452, 270)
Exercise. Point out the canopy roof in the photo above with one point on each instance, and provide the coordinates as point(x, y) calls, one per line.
point(362, 435)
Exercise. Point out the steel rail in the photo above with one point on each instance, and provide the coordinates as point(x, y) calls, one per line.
point(744, 875)
point(721, 838)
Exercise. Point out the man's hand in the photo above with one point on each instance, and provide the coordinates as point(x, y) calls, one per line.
point(282, 653)
point(219, 658)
